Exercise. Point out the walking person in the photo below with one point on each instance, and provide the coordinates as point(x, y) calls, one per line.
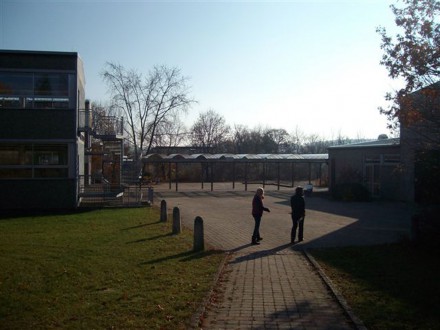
point(257, 213)
point(298, 206)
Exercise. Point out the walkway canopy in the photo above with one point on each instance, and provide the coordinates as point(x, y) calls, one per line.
point(279, 169)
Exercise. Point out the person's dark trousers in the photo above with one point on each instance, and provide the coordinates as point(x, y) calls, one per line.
point(256, 234)
point(297, 223)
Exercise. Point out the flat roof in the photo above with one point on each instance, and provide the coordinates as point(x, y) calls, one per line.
point(370, 144)
point(37, 52)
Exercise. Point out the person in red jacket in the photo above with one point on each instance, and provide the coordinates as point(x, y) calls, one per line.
point(257, 213)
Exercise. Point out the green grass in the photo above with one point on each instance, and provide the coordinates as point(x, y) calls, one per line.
point(111, 268)
point(388, 287)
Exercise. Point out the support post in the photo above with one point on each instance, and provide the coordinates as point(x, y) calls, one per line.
point(212, 176)
point(293, 175)
point(278, 175)
point(264, 174)
point(177, 177)
point(150, 194)
point(245, 176)
point(233, 175)
point(169, 175)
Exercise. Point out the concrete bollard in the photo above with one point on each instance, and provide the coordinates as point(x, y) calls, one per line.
point(163, 211)
point(177, 227)
point(199, 241)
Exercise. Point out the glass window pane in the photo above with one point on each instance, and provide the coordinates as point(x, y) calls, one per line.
point(10, 102)
point(50, 154)
point(52, 85)
point(50, 173)
point(15, 154)
point(15, 173)
point(16, 83)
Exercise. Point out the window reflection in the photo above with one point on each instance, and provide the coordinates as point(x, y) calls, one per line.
point(33, 160)
point(39, 91)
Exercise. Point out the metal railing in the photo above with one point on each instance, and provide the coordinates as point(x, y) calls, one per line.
point(99, 124)
point(103, 194)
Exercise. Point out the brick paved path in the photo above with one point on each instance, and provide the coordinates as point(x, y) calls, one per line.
point(273, 285)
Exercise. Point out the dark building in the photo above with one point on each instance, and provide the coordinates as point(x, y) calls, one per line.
point(374, 164)
point(41, 150)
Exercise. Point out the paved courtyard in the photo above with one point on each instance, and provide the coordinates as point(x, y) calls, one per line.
point(274, 285)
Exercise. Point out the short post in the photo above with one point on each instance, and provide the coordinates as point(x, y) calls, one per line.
point(199, 241)
point(150, 195)
point(163, 211)
point(176, 221)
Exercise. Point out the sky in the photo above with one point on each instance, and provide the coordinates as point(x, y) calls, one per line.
point(308, 66)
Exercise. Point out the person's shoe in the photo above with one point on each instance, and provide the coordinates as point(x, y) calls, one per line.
point(259, 239)
point(300, 240)
point(292, 242)
point(255, 243)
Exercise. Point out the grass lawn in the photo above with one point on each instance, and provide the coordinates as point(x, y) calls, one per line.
point(110, 268)
point(388, 287)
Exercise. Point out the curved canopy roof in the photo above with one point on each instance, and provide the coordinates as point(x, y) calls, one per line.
point(236, 157)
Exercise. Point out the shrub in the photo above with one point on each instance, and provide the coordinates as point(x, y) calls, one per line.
point(426, 226)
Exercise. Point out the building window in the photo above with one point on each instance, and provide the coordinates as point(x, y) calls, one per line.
point(391, 159)
point(19, 160)
point(37, 91)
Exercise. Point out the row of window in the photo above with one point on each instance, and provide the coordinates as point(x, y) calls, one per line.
point(387, 159)
point(37, 90)
point(34, 103)
point(20, 160)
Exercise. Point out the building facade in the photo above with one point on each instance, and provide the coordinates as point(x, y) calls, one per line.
point(41, 146)
point(375, 165)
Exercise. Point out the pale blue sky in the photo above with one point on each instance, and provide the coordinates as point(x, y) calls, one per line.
point(311, 65)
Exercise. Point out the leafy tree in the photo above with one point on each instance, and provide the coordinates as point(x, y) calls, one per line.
point(414, 57)
point(146, 102)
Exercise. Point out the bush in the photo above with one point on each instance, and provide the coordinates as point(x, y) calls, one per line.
point(426, 226)
point(351, 192)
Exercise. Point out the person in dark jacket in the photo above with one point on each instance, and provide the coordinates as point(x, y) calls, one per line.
point(298, 206)
point(257, 213)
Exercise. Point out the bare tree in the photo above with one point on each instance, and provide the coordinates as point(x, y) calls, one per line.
point(277, 140)
point(209, 131)
point(171, 132)
point(240, 139)
point(146, 102)
point(297, 138)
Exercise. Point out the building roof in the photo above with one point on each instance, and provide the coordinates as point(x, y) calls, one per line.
point(237, 157)
point(370, 144)
point(38, 52)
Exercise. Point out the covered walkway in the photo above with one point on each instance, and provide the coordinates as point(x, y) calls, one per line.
point(265, 169)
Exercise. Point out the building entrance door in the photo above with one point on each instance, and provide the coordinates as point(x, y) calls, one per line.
point(372, 179)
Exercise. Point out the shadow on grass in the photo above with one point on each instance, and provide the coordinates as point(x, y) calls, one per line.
point(32, 213)
point(141, 226)
point(184, 256)
point(150, 238)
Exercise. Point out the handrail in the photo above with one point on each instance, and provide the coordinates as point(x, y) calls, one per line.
point(100, 125)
